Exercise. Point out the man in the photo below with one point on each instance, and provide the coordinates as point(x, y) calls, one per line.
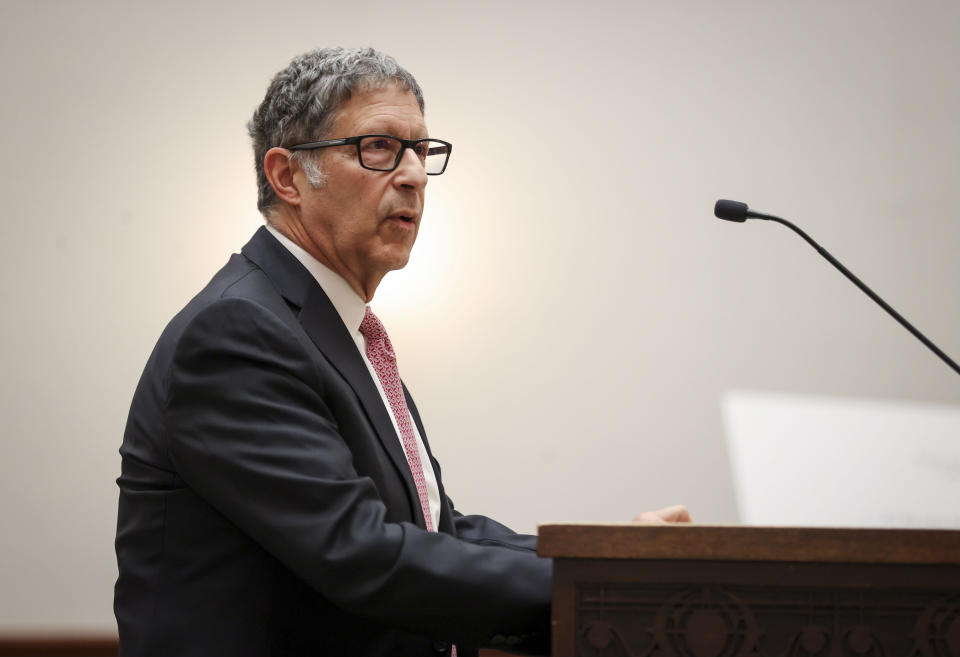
point(278, 495)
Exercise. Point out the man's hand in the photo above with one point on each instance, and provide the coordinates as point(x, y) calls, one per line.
point(665, 516)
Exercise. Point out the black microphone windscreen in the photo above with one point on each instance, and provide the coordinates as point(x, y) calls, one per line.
point(730, 210)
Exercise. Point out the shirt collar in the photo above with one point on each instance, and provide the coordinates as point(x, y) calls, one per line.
point(348, 304)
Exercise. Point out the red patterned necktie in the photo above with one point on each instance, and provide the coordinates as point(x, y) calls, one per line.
point(384, 360)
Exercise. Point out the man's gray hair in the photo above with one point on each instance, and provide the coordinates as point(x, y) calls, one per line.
point(302, 101)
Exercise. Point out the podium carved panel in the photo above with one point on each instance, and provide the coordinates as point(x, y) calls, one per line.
point(736, 621)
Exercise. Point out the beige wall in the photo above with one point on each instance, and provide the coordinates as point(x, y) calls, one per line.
point(573, 314)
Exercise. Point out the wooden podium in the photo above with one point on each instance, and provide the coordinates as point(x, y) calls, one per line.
point(727, 591)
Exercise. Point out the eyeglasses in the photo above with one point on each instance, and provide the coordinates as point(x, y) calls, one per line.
point(384, 152)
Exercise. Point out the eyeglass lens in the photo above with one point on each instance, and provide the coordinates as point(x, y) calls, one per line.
point(382, 153)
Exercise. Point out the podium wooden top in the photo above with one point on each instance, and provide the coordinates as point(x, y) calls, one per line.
point(740, 543)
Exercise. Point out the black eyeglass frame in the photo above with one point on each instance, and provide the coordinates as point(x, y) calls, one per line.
point(355, 141)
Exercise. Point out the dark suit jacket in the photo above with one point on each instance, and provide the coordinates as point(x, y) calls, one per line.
point(266, 505)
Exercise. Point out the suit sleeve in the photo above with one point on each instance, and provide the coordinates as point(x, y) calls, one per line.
point(248, 428)
point(487, 531)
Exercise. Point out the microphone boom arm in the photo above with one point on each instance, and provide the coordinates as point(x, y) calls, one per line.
point(860, 284)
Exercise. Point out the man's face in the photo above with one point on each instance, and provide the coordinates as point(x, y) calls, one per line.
point(363, 223)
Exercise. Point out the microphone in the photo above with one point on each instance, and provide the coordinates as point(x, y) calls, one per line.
point(740, 212)
point(731, 210)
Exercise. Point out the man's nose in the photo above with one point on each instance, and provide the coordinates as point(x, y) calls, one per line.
point(410, 171)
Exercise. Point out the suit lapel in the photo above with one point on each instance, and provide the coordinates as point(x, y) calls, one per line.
point(323, 324)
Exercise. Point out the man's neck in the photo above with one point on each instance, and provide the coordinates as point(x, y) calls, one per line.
point(292, 228)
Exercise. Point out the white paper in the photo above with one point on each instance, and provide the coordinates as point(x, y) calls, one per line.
point(826, 461)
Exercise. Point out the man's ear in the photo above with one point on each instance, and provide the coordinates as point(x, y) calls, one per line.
point(279, 168)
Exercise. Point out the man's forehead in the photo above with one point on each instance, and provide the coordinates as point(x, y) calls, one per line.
point(386, 108)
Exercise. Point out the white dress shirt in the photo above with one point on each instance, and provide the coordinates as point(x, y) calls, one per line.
point(351, 308)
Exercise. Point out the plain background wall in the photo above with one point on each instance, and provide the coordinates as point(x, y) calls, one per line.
point(572, 313)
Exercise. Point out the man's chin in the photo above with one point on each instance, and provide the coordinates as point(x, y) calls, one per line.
point(400, 263)
point(395, 256)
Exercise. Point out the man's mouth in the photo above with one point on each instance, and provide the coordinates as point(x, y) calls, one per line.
point(404, 216)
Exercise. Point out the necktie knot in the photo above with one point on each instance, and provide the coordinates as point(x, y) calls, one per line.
point(372, 329)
